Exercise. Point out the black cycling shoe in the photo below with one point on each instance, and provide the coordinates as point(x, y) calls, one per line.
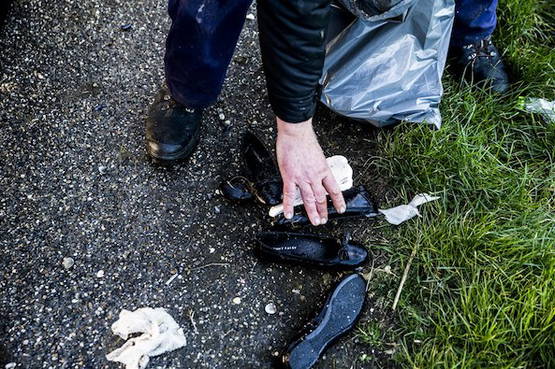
point(172, 130)
point(481, 63)
point(339, 315)
point(262, 170)
point(307, 249)
point(358, 205)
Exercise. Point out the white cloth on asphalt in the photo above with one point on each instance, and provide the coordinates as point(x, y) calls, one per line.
point(160, 334)
point(402, 213)
point(342, 172)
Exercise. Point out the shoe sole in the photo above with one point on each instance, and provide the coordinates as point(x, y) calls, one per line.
point(180, 155)
point(339, 315)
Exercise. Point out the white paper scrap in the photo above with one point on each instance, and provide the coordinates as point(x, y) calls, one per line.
point(543, 107)
point(342, 172)
point(402, 213)
point(170, 280)
point(160, 334)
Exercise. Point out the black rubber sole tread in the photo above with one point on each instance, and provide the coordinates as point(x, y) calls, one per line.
point(339, 316)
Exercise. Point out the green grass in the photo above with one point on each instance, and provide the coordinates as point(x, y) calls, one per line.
point(481, 290)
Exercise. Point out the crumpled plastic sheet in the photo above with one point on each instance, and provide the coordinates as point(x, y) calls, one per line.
point(540, 106)
point(375, 10)
point(160, 334)
point(402, 213)
point(387, 68)
point(342, 172)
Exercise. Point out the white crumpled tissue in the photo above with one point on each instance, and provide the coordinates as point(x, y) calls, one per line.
point(160, 334)
point(402, 213)
point(342, 172)
point(543, 107)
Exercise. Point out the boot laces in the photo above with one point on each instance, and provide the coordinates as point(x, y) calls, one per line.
point(481, 49)
point(170, 103)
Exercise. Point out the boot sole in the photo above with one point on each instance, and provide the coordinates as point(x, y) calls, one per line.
point(339, 316)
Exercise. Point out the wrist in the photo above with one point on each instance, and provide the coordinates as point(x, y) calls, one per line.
point(294, 129)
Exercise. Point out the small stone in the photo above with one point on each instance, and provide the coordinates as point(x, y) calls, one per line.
point(227, 123)
point(10, 365)
point(212, 250)
point(102, 169)
point(68, 262)
point(271, 308)
point(250, 16)
point(100, 274)
point(236, 300)
point(217, 209)
point(126, 27)
point(221, 116)
point(241, 59)
point(99, 107)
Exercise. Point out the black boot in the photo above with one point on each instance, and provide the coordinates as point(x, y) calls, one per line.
point(481, 63)
point(172, 130)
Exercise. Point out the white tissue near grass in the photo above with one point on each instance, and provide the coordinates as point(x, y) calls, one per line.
point(342, 172)
point(543, 107)
point(160, 334)
point(402, 213)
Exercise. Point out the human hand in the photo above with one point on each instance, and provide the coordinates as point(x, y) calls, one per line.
point(302, 164)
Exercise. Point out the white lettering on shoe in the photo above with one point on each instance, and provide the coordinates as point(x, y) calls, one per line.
point(285, 248)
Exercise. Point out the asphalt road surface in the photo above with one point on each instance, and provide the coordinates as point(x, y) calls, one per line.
point(76, 183)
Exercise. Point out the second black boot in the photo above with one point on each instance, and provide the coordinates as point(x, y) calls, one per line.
point(172, 130)
point(481, 63)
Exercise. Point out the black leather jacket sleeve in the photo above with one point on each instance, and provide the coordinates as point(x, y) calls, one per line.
point(292, 41)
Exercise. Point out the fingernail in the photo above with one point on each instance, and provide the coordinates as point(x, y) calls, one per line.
point(324, 220)
point(288, 215)
point(342, 209)
point(317, 221)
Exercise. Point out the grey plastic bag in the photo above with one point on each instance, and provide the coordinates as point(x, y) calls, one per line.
point(388, 70)
point(375, 10)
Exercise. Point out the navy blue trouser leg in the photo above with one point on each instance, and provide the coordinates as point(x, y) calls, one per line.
point(199, 47)
point(474, 21)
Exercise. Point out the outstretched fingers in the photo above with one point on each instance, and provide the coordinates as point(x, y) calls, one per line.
point(335, 193)
point(309, 201)
point(321, 201)
point(289, 189)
